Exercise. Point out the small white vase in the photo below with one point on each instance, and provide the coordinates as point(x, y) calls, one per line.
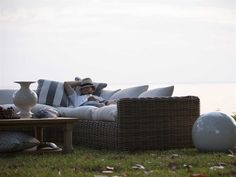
point(25, 98)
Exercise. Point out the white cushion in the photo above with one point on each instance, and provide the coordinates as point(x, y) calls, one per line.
point(107, 113)
point(82, 112)
point(42, 110)
point(106, 94)
point(132, 92)
point(158, 92)
point(16, 141)
point(6, 96)
point(39, 107)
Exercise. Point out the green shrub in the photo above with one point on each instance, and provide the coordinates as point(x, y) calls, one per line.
point(234, 116)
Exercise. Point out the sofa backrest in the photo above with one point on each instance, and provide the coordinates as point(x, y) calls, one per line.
point(6, 96)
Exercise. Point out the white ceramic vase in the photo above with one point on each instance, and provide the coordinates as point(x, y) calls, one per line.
point(25, 98)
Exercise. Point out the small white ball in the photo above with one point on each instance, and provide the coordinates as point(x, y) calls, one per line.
point(214, 131)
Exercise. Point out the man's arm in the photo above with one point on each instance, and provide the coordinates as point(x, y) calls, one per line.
point(70, 85)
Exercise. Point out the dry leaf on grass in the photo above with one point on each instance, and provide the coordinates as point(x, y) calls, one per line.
point(221, 164)
point(217, 167)
point(138, 166)
point(153, 154)
point(187, 166)
point(147, 172)
point(107, 171)
point(141, 167)
point(110, 168)
point(59, 173)
point(174, 156)
point(88, 157)
point(198, 175)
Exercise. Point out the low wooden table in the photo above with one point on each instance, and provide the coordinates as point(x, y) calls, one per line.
point(66, 122)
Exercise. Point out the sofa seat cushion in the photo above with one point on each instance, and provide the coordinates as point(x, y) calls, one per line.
point(105, 113)
point(82, 112)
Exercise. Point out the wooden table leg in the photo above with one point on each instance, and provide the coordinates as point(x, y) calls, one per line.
point(68, 138)
point(38, 133)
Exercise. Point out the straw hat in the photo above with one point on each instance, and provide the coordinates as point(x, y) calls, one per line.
point(86, 82)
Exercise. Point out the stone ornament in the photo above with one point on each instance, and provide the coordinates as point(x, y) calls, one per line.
point(214, 131)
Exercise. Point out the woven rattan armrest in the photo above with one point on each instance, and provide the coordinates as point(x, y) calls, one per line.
point(156, 123)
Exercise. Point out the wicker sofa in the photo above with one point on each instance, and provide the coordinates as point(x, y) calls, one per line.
point(141, 124)
point(147, 123)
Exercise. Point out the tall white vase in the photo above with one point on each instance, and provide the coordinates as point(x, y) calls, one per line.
point(25, 98)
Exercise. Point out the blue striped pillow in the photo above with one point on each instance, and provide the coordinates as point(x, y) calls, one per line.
point(51, 93)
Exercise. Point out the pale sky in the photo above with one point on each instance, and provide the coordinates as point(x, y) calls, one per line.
point(118, 41)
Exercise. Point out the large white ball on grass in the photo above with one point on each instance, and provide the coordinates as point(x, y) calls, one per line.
point(214, 131)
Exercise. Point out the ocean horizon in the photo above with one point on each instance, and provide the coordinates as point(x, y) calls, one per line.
point(213, 96)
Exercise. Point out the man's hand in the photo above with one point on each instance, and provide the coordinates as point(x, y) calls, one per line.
point(92, 98)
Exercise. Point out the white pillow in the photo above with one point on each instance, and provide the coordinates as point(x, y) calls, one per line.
point(107, 113)
point(106, 94)
point(16, 141)
point(132, 92)
point(39, 107)
point(158, 92)
point(6, 96)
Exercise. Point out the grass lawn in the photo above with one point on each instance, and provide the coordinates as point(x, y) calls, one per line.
point(100, 163)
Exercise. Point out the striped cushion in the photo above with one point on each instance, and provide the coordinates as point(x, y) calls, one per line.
point(51, 93)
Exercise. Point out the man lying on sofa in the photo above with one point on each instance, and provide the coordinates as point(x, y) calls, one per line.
point(85, 95)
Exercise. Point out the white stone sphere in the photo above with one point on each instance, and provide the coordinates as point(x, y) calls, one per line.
point(214, 131)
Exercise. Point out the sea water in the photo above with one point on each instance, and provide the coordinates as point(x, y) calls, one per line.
point(213, 97)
